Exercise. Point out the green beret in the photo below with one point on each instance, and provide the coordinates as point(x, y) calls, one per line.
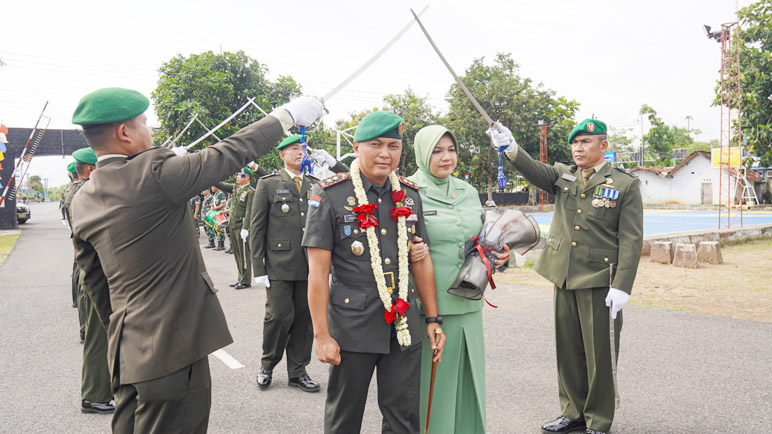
point(108, 105)
point(248, 171)
point(71, 167)
point(587, 127)
point(380, 124)
point(85, 156)
point(291, 140)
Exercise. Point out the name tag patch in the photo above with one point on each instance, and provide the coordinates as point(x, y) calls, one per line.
point(569, 177)
point(348, 218)
point(282, 191)
point(430, 212)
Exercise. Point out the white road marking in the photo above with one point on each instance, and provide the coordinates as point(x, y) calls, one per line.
point(227, 359)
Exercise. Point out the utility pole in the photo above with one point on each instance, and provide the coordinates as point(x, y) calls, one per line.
point(543, 198)
point(640, 157)
point(688, 118)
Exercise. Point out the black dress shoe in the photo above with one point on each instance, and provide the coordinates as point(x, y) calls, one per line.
point(234, 284)
point(563, 425)
point(97, 407)
point(592, 431)
point(242, 286)
point(74, 304)
point(305, 383)
point(264, 378)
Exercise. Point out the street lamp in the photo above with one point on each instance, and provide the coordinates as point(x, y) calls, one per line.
point(712, 35)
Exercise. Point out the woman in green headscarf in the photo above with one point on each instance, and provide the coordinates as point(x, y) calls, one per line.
point(453, 215)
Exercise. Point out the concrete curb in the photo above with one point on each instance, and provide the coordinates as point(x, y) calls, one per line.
point(723, 236)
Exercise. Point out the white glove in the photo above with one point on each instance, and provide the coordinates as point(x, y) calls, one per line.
point(180, 151)
point(325, 157)
point(304, 110)
point(501, 137)
point(615, 300)
point(244, 234)
point(263, 280)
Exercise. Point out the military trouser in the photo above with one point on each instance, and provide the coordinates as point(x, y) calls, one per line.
point(241, 254)
point(585, 381)
point(287, 325)
point(210, 233)
point(77, 295)
point(95, 375)
point(175, 403)
point(399, 380)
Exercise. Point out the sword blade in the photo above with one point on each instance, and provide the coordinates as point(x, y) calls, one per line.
point(372, 60)
point(453, 73)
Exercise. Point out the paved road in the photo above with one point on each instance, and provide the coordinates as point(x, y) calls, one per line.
point(679, 372)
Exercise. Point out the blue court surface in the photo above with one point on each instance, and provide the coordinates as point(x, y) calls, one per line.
point(658, 221)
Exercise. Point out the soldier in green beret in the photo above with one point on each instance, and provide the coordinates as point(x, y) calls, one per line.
point(242, 194)
point(96, 393)
point(362, 224)
point(278, 220)
point(73, 175)
point(592, 255)
point(133, 228)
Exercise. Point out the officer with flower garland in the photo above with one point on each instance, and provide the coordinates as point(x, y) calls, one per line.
point(361, 223)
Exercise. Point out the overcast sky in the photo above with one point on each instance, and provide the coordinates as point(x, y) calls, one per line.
point(610, 56)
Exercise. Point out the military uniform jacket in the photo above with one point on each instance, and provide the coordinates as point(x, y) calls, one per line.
point(355, 311)
point(278, 220)
point(135, 241)
point(584, 239)
point(241, 204)
point(68, 199)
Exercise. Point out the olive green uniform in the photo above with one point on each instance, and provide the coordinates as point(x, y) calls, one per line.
point(241, 205)
point(355, 311)
point(276, 226)
point(206, 206)
point(95, 374)
point(219, 198)
point(584, 239)
point(75, 276)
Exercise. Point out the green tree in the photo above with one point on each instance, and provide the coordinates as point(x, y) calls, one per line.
point(519, 103)
point(214, 86)
point(661, 138)
point(36, 185)
point(756, 78)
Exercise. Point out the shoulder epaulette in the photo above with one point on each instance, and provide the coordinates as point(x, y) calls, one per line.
point(270, 175)
point(312, 177)
point(625, 171)
point(408, 183)
point(334, 179)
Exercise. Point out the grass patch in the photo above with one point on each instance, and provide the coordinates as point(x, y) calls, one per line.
point(6, 244)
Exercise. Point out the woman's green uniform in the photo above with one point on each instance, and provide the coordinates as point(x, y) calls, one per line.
point(453, 214)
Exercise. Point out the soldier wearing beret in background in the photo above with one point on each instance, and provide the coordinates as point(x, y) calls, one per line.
point(278, 219)
point(362, 223)
point(96, 394)
point(133, 228)
point(73, 174)
point(242, 194)
point(597, 228)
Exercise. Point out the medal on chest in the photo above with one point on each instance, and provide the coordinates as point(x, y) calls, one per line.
point(605, 196)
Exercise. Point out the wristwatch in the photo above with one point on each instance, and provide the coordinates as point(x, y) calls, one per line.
point(434, 319)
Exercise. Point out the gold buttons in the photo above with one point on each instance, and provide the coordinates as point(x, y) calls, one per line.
point(283, 198)
point(605, 259)
point(578, 211)
point(304, 229)
point(576, 228)
point(573, 244)
point(582, 195)
point(301, 199)
point(387, 261)
point(346, 301)
point(390, 291)
point(278, 245)
point(565, 188)
point(549, 240)
point(302, 214)
point(356, 231)
point(380, 200)
point(383, 231)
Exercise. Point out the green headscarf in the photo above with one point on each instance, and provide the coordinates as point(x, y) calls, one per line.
point(425, 141)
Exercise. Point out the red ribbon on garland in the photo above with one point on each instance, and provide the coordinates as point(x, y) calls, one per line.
point(400, 307)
